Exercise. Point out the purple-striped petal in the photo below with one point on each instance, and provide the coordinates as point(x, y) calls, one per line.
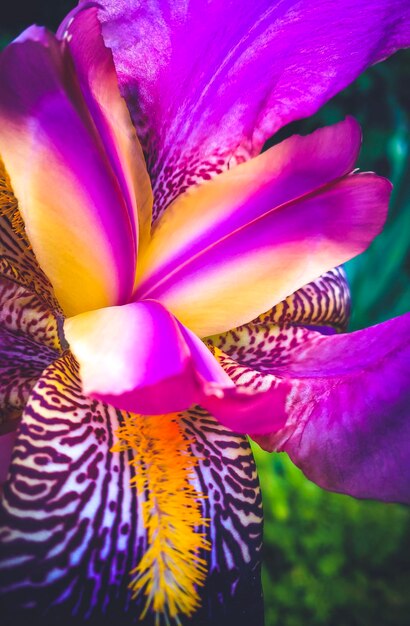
point(227, 474)
point(23, 312)
point(29, 319)
point(68, 516)
point(208, 82)
point(322, 304)
point(266, 342)
point(7, 442)
point(70, 520)
point(22, 360)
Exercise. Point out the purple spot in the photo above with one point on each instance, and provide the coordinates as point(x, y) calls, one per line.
point(324, 330)
point(41, 460)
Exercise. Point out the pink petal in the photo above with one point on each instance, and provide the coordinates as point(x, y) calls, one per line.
point(209, 212)
point(139, 358)
point(257, 401)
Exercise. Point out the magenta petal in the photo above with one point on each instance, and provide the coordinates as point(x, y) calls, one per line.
point(267, 258)
point(139, 358)
point(81, 32)
point(68, 192)
point(244, 409)
point(348, 424)
point(208, 82)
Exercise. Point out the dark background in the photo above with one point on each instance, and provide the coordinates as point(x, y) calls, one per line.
point(331, 560)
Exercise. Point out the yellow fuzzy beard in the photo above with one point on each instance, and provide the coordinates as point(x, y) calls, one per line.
point(171, 568)
point(9, 205)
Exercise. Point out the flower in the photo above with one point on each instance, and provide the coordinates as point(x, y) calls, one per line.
point(113, 325)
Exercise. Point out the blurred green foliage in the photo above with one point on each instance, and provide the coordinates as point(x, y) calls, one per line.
point(330, 560)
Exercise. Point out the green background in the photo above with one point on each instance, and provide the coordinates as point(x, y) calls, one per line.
point(330, 560)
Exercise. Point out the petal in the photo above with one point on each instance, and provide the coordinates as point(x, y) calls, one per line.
point(271, 256)
point(241, 72)
point(207, 213)
point(99, 86)
point(68, 517)
point(68, 193)
point(29, 314)
point(322, 305)
point(348, 424)
point(138, 357)
point(22, 361)
point(256, 404)
point(70, 522)
point(17, 261)
point(24, 313)
point(227, 474)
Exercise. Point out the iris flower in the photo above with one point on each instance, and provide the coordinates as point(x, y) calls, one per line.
point(167, 289)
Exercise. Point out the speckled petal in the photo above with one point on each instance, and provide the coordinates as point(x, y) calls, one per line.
point(322, 305)
point(207, 82)
point(17, 261)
